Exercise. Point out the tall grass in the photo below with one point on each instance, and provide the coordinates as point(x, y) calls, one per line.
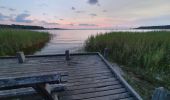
point(145, 53)
point(13, 40)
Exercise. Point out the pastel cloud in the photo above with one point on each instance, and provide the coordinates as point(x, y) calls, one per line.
point(2, 7)
point(12, 9)
point(80, 11)
point(23, 18)
point(73, 8)
point(93, 15)
point(49, 23)
point(88, 25)
point(104, 10)
point(92, 2)
point(3, 17)
point(6, 8)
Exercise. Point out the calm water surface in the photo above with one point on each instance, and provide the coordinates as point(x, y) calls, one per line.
point(72, 40)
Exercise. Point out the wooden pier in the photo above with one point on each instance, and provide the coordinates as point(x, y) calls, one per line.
point(90, 77)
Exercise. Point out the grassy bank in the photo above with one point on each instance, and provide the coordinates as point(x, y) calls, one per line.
point(13, 40)
point(145, 57)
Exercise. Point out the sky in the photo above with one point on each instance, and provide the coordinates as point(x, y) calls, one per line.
point(85, 13)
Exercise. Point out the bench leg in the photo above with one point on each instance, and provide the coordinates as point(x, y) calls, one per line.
point(44, 91)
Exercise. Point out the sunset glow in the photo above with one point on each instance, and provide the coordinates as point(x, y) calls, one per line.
point(85, 13)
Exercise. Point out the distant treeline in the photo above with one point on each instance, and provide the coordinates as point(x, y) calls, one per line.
point(13, 26)
point(21, 26)
point(154, 27)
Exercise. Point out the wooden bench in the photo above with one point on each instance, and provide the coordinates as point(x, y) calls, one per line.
point(38, 82)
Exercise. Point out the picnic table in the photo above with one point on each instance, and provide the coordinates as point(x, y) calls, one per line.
point(15, 78)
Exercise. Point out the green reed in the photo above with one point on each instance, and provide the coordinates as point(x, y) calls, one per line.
point(13, 40)
point(145, 53)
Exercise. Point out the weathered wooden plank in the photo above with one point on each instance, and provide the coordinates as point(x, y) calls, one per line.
point(92, 85)
point(81, 72)
point(89, 75)
point(43, 68)
point(21, 67)
point(96, 94)
point(61, 61)
point(91, 82)
point(35, 68)
point(22, 73)
point(89, 79)
point(60, 64)
point(84, 76)
point(27, 81)
point(82, 80)
point(111, 97)
point(53, 55)
point(54, 71)
point(32, 63)
point(129, 98)
point(90, 90)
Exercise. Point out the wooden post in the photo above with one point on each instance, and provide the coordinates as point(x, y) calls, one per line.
point(161, 94)
point(21, 57)
point(67, 54)
point(106, 53)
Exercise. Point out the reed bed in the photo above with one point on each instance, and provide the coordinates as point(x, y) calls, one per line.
point(145, 54)
point(13, 40)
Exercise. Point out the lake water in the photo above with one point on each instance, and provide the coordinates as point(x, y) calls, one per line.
point(72, 40)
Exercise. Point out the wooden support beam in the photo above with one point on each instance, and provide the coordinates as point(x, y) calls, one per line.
point(21, 57)
point(67, 54)
point(44, 91)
